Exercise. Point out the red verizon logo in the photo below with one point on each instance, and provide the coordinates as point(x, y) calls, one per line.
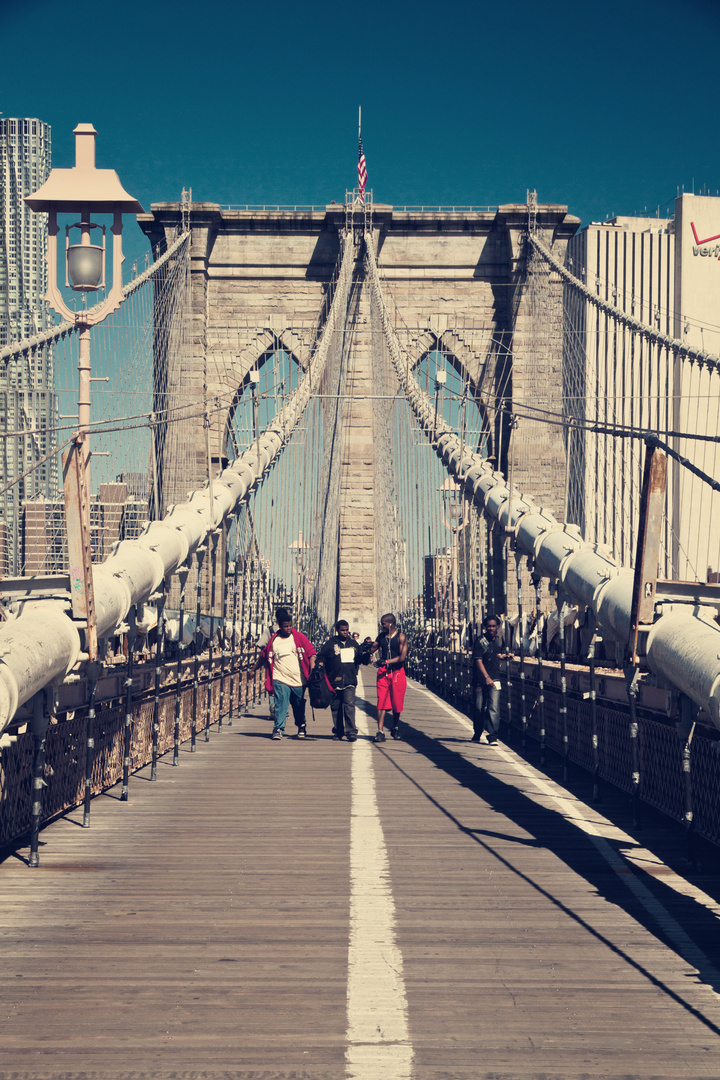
point(707, 240)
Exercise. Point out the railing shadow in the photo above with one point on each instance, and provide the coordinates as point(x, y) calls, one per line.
point(576, 849)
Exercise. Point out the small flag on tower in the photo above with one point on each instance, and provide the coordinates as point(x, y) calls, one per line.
point(362, 168)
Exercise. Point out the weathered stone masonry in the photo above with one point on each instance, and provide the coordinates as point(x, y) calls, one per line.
point(454, 277)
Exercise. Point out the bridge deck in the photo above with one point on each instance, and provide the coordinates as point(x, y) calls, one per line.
point(218, 923)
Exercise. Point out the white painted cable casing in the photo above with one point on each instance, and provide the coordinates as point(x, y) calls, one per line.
point(553, 548)
point(686, 648)
point(512, 510)
point(585, 571)
point(533, 526)
point(42, 645)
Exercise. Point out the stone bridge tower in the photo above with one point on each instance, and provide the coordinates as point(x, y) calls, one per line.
point(456, 280)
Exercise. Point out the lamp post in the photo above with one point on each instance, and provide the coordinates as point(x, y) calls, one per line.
point(440, 380)
point(300, 546)
point(83, 190)
point(454, 520)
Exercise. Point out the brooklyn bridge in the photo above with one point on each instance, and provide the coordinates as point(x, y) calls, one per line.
point(445, 413)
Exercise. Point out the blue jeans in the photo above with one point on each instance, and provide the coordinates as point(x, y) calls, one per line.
point(487, 705)
point(289, 695)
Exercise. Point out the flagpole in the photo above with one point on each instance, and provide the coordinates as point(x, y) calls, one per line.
point(362, 168)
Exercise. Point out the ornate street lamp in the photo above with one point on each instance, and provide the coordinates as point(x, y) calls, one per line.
point(454, 519)
point(85, 191)
point(300, 546)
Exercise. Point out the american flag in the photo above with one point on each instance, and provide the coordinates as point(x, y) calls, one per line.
point(362, 170)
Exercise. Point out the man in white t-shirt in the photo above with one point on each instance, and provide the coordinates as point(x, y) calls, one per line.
point(289, 657)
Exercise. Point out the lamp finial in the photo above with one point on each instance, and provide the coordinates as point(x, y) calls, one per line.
point(84, 146)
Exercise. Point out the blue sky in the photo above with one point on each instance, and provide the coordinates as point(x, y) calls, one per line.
point(606, 108)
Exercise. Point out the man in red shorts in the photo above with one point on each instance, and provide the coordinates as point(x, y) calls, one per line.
point(392, 645)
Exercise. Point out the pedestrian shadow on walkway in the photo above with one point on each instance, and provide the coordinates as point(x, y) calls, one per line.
point(551, 830)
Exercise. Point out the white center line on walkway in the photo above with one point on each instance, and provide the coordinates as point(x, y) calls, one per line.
point(572, 809)
point(378, 1047)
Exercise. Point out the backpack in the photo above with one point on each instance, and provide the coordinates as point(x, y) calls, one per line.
point(320, 692)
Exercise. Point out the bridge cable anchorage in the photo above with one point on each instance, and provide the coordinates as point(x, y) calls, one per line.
point(41, 644)
point(682, 647)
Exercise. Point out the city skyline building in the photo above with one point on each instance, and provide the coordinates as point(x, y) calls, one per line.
point(28, 399)
point(119, 511)
point(25, 162)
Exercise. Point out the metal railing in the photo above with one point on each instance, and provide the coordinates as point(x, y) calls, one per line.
point(279, 208)
point(316, 208)
point(84, 753)
point(544, 719)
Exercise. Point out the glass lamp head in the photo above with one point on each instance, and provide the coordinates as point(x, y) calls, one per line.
point(84, 262)
point(85, 267)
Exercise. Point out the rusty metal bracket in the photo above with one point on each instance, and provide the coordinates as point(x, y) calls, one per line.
point(652, 504)
point(77, 524)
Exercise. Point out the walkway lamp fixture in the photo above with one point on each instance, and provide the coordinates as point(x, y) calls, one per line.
point(300, 546)
point(440, 380)
point(84, 191)
point(454, 519)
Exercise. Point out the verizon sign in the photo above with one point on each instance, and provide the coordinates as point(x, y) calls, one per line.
point(705, 248)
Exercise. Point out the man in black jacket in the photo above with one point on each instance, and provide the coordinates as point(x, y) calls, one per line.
point(340, 657)
point(487, 654)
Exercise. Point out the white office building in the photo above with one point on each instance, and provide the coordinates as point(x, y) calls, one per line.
point(664, 273)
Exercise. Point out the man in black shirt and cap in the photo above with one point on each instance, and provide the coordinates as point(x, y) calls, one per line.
point(340, 657)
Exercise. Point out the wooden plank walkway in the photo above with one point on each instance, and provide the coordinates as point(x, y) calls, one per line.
point(218, 923)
